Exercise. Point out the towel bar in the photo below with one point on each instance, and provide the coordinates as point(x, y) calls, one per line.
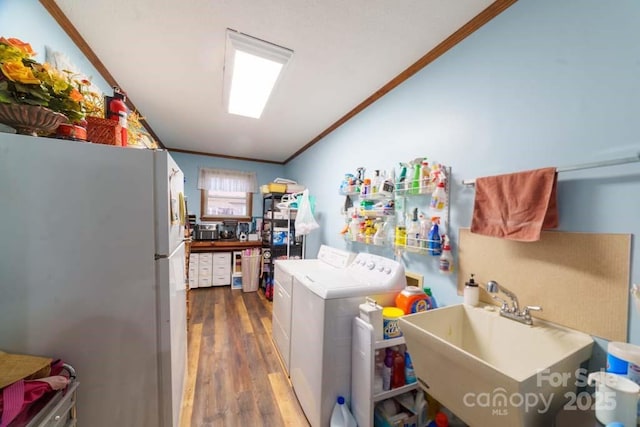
point(600, 164)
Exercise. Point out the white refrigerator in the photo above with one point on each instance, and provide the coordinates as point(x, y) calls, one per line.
point(92, 272)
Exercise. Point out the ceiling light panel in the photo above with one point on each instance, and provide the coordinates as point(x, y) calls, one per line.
point(253, 68)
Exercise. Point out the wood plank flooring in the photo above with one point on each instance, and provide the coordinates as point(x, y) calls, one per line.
point(235, 376)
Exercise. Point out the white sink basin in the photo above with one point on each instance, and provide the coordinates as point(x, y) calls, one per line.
point(494, 371)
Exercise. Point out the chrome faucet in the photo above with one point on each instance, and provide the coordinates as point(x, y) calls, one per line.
point(511, 311)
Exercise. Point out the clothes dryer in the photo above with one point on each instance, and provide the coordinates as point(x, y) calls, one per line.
point(324, 305)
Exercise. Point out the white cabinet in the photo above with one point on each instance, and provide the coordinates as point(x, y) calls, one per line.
point(204, 270)
point(363, 353)
point(221, 268)
point(193, 270)
point(208, 269)
point(281, 316)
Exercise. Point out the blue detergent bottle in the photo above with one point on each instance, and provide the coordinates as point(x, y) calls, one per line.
point(434, 243)
point(409, 373)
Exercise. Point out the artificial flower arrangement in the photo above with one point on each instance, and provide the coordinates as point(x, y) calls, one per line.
point(26, 81)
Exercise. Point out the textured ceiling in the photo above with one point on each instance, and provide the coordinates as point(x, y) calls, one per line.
point(169, 56)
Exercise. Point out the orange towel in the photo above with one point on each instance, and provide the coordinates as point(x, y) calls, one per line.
point(516, 206)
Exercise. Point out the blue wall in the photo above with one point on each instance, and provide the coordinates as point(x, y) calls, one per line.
point(191, 164)
point(30, 22)
point(546, 83)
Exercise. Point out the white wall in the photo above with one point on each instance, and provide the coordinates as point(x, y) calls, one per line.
point(546, 83)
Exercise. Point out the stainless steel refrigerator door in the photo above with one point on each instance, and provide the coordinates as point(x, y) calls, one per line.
point(172, 321)
point(169, 185)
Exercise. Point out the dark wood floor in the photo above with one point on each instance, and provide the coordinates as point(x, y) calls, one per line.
point(235, 377)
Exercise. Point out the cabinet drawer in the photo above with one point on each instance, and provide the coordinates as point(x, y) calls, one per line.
point(204, 282)
point(222, 258)
point(221, 269)
point(205, 269)
point(193, 282)
point(206, 256)
point(204, 262)
point(221, 280)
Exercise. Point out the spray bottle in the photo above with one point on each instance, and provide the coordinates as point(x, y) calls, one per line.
point(354, 227)
point(402, 177)
point(425, 224)
point(424, 176)
point(434, 244)
point(379, 236)
point(439, 196)
point(446, 259)
point(413, 230)
point(417, 171)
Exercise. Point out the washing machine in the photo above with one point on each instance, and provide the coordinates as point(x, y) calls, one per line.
point(328, 259)
point(324, 305)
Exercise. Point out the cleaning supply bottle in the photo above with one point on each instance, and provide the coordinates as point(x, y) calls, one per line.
point(434, 242)
point(424, 176)
point(379, 237)
point(420, 408)
point(375, 182)
point(341, 416)
point(401, 232)
point(402, 178)
point(417, 174)
point(439, 197)
point(471, 292)
point(397, 376)
point(413, 230)
point(354, 228)
point(387, 369)
point(424, 230)
point(446, 259)
point(365, 189)
point(409, 373)
point(387, 186)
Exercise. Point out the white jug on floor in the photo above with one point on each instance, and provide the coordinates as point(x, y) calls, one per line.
point(616, 398)
point(341, 416)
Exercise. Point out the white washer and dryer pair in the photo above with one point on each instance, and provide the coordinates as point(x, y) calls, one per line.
point(324, 303)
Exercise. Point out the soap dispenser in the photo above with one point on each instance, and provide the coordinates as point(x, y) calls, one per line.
point(471, 292)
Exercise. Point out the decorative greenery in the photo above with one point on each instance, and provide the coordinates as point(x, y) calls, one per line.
point(25, 81)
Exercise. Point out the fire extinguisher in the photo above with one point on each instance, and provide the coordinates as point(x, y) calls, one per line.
point(118, 111)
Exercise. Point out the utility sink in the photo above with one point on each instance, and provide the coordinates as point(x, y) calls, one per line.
point(494, 371)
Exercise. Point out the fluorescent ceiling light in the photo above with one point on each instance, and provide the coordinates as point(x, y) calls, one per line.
point(252, 69)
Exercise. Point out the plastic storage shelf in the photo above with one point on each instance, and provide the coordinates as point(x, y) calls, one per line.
point(363, 351)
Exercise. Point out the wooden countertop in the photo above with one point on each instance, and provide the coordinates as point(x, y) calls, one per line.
point(222, 245)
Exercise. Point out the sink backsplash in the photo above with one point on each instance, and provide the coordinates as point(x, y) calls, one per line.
point(581, 280)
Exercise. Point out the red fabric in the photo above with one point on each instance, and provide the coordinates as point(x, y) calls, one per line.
point(17, 397)
point(516, 206)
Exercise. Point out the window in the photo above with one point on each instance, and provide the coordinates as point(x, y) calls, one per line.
point(226, 194)
point(219, 205)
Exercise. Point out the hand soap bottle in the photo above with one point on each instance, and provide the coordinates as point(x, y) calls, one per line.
point(471, 293)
